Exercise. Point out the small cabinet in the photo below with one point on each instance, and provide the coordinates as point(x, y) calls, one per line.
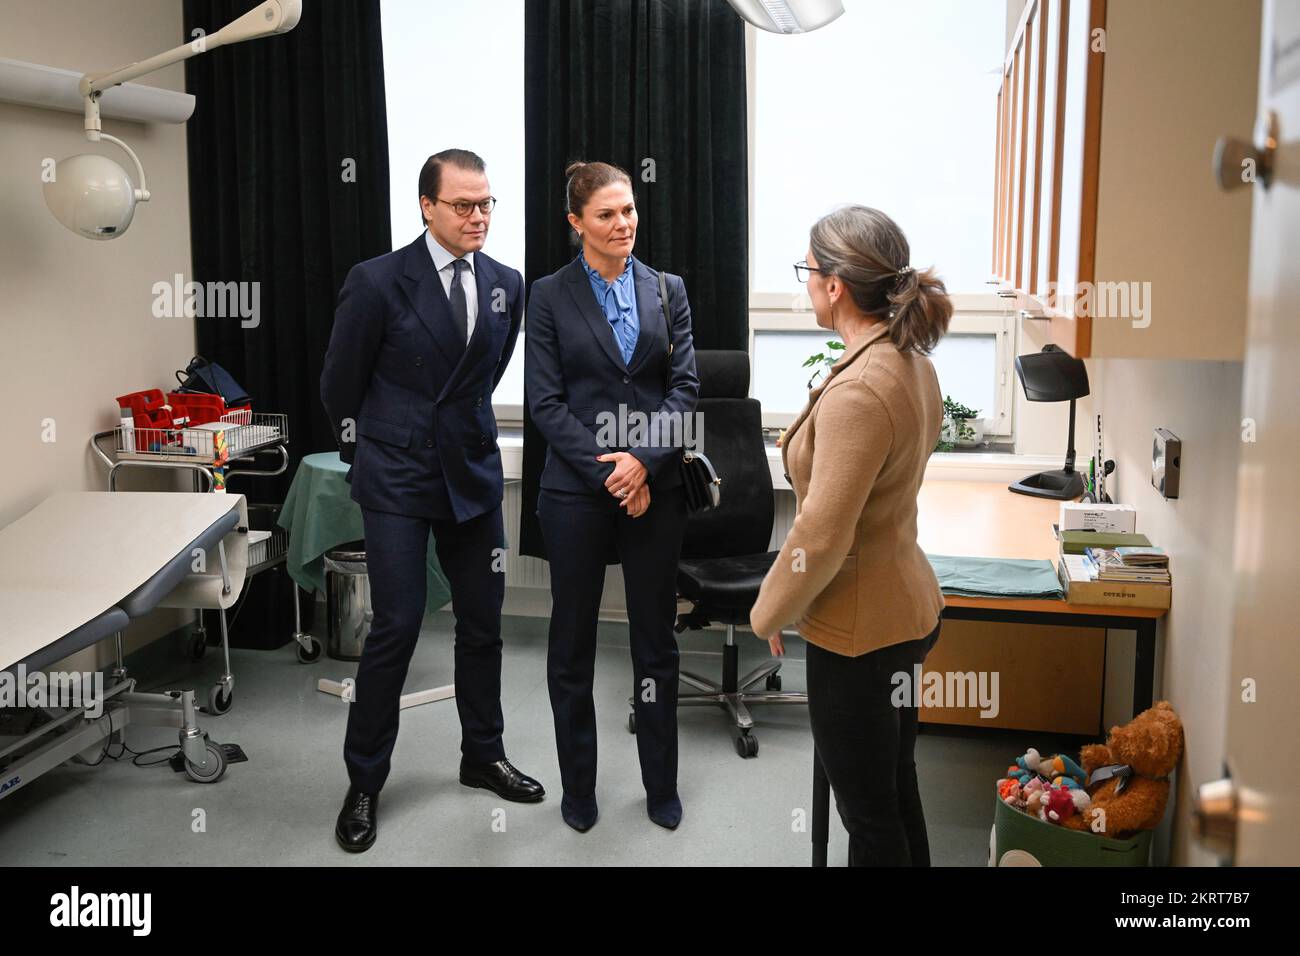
point(1108, 227)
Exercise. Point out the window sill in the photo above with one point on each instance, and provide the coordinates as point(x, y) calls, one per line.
point(989, 466)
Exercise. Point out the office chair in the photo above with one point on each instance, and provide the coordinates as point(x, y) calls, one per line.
point(724, 554)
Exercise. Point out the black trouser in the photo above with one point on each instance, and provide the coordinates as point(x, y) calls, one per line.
point(396, 549)
point(866, 744)
point(581, 532)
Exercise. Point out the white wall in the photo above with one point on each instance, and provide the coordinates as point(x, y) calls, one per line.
point(1200, 402)
point(75, 315)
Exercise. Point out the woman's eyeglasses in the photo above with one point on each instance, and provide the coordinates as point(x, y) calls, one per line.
point(801, 270)
point(463, 207)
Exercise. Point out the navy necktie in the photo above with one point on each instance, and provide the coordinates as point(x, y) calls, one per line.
point(459, 305)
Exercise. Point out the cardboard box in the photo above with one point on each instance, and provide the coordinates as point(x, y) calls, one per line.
point(1113, 593)
point(1077, 516)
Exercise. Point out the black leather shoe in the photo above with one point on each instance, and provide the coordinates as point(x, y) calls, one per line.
point(358, 822)
point(503, 780)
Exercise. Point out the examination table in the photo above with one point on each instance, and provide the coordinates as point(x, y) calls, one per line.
point(75, 570)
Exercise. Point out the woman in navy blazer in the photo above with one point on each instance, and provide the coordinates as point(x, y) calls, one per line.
point(612, 401)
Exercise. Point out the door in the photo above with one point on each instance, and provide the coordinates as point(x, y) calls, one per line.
point(1250, 815)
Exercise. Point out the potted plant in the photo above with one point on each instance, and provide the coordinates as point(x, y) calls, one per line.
point(961, 426)
point(821, 362)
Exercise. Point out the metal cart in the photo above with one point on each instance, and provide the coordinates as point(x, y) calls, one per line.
point(212, 453)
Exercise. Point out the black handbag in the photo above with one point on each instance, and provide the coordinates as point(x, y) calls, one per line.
point(700, 482)
point(209, 378)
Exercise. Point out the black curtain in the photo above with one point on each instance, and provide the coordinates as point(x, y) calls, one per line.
point(657, 87)
point(288, 176)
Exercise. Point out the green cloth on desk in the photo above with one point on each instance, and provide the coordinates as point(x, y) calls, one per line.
point(996, 577)
point(320, 514)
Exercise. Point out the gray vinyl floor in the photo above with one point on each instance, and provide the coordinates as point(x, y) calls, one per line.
point(278, 808)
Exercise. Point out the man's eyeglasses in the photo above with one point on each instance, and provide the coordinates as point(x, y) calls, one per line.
point(801, 270)
point(463, 207)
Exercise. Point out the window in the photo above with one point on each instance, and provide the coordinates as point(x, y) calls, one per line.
point(892, 106)
point(426, 44)
point(974, 362)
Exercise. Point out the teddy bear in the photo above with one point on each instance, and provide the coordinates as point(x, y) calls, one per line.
point(1132, 797)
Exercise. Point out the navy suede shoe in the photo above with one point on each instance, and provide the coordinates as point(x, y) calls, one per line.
point(665, 811)
point(579, 812)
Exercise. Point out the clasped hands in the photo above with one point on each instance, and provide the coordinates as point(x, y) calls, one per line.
point(627, 482)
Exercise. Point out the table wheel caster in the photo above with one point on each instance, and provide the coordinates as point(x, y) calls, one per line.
point(212, 770)
point(198, 645)
point(220, 702)
point(310, 653)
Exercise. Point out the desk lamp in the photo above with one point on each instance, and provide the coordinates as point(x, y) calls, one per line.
point(1053, 375)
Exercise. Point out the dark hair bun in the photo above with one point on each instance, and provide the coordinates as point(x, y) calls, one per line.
point(583, 181)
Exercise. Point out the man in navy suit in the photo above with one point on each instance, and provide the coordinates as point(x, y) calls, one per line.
point(421, 338)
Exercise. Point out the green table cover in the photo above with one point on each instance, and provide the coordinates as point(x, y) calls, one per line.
point(320, 514)
point(996, 577)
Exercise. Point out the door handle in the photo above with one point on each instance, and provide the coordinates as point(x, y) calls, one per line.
point(1237, 163)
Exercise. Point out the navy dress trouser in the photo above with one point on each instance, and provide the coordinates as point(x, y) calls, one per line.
point(581, 531)
point(396, 549)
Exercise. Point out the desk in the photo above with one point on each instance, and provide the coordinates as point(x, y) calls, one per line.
point(983, 519)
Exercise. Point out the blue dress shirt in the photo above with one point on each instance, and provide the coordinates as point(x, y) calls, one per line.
point(617, 300)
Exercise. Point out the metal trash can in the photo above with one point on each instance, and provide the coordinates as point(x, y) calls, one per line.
point(347, 601)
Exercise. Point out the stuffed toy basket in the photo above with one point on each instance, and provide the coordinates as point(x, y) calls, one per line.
point(1021, 840)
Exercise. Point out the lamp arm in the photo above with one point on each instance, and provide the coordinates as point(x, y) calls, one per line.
point(141, 194)
point(267, 18)
point(99, 82)
point(1069, 450)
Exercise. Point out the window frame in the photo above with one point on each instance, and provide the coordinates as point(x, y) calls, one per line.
point(973, 314)
point(511, 414)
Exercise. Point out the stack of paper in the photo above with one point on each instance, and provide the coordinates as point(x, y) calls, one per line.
point(1129, 564)
point(1100, 576)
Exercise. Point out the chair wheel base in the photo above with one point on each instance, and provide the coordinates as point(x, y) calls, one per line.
point(747, 745)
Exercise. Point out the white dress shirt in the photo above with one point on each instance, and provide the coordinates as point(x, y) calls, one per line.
point(442, 261)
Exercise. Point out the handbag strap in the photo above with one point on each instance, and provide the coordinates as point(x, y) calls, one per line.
point(663, 304)
point(190, 369)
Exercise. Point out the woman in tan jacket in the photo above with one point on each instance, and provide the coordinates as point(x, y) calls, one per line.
point(850, 574)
